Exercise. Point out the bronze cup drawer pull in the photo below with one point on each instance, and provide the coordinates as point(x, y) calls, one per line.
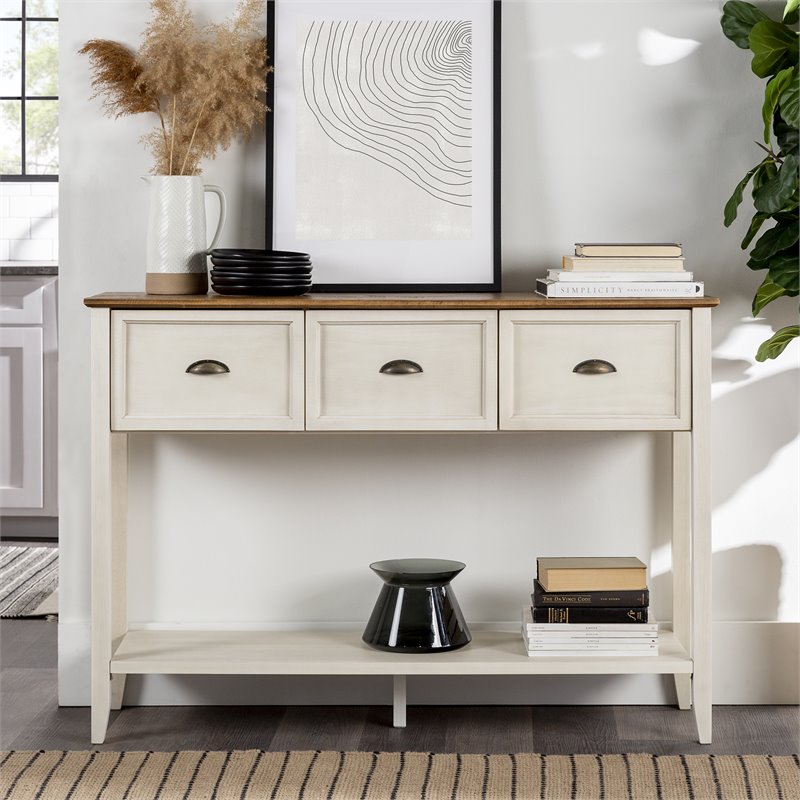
point(400, 366)
point(208, 366)
point(594, 366)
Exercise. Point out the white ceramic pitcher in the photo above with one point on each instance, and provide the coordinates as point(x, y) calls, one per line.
point(176, 234)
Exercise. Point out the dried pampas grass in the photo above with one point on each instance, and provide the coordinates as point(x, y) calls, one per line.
point(207, 85)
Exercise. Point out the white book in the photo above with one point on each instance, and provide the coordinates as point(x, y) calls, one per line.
point(614, 277)
point(544, 638)
point(623, 645)
point(551, 288)
point(594, 648)
point(623, 628)
point(587, 654)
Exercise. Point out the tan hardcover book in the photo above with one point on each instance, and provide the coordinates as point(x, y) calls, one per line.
point(591, 574)
point(660, 249)
point(620, 264)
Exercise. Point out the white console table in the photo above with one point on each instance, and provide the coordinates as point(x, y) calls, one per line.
point(455, 362)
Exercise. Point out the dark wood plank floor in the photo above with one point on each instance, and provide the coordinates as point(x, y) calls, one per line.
point(31, 719)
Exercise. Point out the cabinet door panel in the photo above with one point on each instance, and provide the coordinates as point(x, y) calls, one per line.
point(21, 439)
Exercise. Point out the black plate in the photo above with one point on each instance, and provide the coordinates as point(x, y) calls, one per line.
point(258, 255)
point(267, 292)
point(242, 263)
point(259, 284)
point(282, 275)
point(300, 272)
point(234, 280)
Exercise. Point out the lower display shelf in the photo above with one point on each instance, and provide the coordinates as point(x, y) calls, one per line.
point(326, 652)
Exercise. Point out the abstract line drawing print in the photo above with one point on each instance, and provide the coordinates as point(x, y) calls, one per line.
point(398, 93)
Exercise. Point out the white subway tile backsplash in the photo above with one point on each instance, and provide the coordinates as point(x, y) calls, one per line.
point(14, 189)
point(30, 250)
point(46, 188)
point(29, 221)
point(16, 228)
point(32, 206)
point(44, 228)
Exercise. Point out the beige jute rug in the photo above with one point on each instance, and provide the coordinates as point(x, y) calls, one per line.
point(329, 775)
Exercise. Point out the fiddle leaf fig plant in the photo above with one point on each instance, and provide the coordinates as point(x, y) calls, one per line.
point(774, 180)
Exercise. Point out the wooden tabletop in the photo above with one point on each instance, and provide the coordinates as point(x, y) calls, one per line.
point(463, 300)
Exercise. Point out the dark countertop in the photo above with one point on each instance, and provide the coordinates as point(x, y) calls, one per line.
point(28, 268)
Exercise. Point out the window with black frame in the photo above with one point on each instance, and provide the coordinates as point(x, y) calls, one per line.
point(29, 90)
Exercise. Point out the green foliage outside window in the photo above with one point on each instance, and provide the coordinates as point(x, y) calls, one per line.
point(41, 80)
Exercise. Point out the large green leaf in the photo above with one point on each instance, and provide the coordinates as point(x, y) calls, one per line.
point(765, 171)
point(776, 194)
point(777, 343)
point(774, 47)
point(781, 237)
point(792, 7)
point(735, 200)
point(767, 292)
point(784, 271)
point(789, 102)
point(788, 136)
point(737, 21)
point(755, 226)
point(775, 89)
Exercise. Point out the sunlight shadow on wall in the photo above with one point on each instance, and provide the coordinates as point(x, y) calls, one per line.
point(747, 582)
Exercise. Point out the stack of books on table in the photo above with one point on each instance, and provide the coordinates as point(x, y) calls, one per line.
point(621, 270)
point(590, 607)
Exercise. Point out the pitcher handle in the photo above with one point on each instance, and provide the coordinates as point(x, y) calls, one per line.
point(222, 213)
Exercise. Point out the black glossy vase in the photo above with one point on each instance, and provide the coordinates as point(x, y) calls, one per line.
point(416, 611)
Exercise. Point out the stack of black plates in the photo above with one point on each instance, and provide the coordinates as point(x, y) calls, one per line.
point(263, 272)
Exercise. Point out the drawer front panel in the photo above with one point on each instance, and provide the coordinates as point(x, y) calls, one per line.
point(446, 379)
point(262, 389)
point(642, 383)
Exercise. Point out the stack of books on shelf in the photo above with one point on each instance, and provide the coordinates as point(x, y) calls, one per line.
point(621, 270)
point(590, 607)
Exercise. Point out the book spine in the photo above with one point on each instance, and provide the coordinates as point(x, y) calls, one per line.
point(587, 653)
point(603, 644)
point(613, 277)
point(581, 648)
point(672, 250)
point(627, 633)
point(550, 288)
point(567, 614)
point(617, 263)
point(624, 597)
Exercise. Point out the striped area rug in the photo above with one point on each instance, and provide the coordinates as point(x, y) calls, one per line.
point(28, 576)
point(328, 775)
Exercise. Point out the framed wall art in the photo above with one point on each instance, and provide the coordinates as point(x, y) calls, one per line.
point(384, 142)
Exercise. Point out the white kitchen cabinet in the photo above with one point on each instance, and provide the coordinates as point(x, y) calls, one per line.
point(28, 416)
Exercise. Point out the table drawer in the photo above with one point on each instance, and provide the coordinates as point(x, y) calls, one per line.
point(205, 370)
point(603, 370)
point(401, 370)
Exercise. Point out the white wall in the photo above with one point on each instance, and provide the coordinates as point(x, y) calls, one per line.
point(621, 121)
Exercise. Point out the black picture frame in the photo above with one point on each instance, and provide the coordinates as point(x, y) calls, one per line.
point(493, 285)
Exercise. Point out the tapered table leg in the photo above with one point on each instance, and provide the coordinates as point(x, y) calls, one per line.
point(109, 523)
point(399, 701)
point(701, 520)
